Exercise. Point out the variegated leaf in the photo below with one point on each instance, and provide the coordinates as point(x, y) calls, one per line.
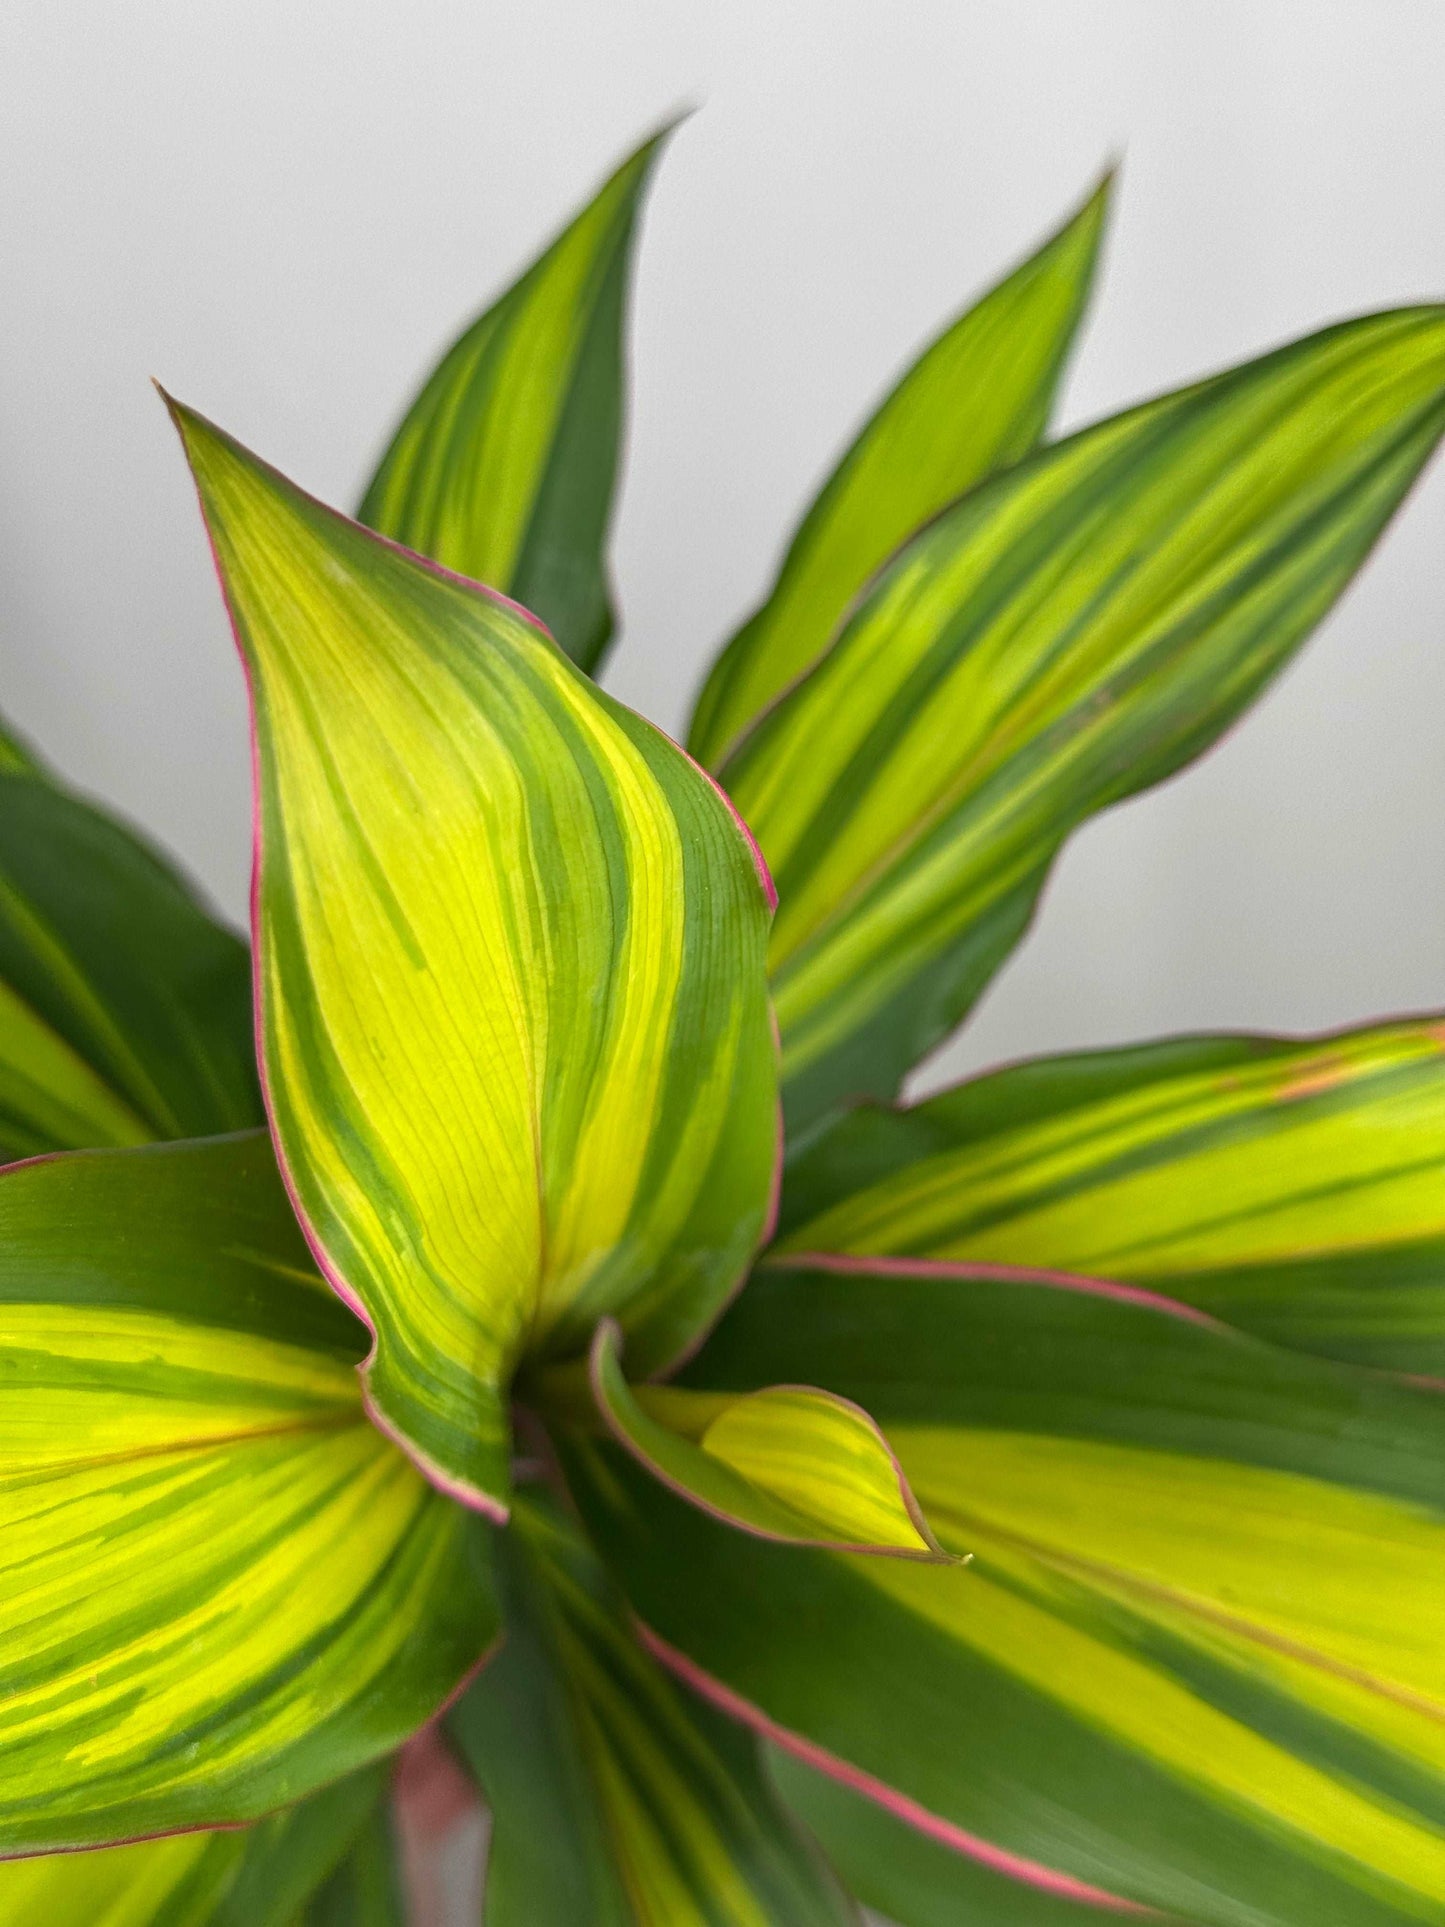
point(220, 1587)
point(510, 946)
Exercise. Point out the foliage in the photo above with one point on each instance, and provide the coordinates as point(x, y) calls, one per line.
point(1013, 1508)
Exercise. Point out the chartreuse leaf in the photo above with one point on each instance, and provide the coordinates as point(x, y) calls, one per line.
point(1071, 632)
point(977, 399)
point(125, 1011)
point(262, 1876)
point(789, 1462)
point(1196, 1661)
point(1292, 1188)
point(617, 1799)
point(220, 1587)
point(505, 465)
point(510, 948)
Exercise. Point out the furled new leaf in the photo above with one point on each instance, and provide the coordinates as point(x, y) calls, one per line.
point(505, 466)
point(977, 399)
point(1071, 632)
point(788, 1461)
point(1196, 1661)
point(260, 1876)
point(617, 1799)
point(125, 1011)
point(220, 1587)
point(1291, 1188)
point(510, 947)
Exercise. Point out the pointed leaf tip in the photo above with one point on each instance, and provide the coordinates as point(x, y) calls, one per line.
point(509, 950)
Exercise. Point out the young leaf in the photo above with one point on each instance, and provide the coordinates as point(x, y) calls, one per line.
point(1070, 633)
point(125, 1011)
point(220, 1587)
point(261, 1876)
point(1292, 1188)
point(788, 1462)
point(510, 945)
point(617, 1799)
point(977, 399)
point(1195, 1663)
point(505, 466)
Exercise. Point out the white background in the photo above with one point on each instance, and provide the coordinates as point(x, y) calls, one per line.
point(283, 211)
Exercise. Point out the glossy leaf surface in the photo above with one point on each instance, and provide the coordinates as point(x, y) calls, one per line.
point(789, 1461)
point(617, 1799)
point(1070, 633)
point(125, 1011)
point(977, 399)
point(1196, 1662)
point(1296, 1189)
point(505, 465)
point(514, 1016)
point(261, 1876)
point(220, 1587)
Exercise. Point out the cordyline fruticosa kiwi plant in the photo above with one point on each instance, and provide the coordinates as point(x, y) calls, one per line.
point(1020, 1508)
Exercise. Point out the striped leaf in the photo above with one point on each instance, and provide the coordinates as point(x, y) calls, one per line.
point(261, 1876)
point(617, 1800)
point(125, 1011)
point(788, 1462)
point(505, 465)
point(1296, 1189)
point(510, 948)
point(1068, 634)
point(977, 399)
point(1196, 1663)
point(220, 1587)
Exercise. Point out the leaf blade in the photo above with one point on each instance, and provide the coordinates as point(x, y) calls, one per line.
point(1072, 632)
point(222, 1588)
point(505, 466)
point(976, 400)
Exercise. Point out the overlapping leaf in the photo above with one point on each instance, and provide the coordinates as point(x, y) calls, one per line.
point(514, 1014)
point(788, 1461)
point(1196, 1662)
point(220, 1587)
point(1069, 633)
point(125, 1011)
point(261, 1876)
point(617, 1799)
point(976, 400)
point(1296, 1189)
point(505, 465)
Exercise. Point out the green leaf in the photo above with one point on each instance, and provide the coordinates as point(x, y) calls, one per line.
point(125, 1011)
point(1292, 1188)
point(788, 1462)
point(1073, 631)
point(898, 1871)
point(505, 465)
point(220, 1587)
point(617, 1799)
point(513, 1007)
point(1196, 1661)
point(366, 1890)
point(976, 400)
point(261, 1876)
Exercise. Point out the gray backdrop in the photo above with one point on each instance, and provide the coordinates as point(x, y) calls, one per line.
point(283, 211)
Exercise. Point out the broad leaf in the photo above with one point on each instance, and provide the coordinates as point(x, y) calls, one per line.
point(789, 1462)
point(125, 1011)
point(261, 1876)
point(505, 465)
point(617, 1799)
point(1196, 1662)
point(1070, 633)
point(510, 950)
point(366, 1890)
point(977, 399)
point(220, 1587)
point(1296, 1189)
